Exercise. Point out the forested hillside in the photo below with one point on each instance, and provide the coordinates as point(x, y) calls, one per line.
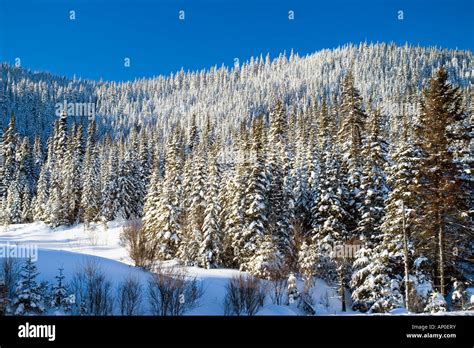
point(274, 166)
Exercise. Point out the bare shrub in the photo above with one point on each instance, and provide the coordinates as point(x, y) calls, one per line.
point(278, 293)
point(3, 298)
point(92, 234)
point(245, 295)
point(9, 274)
point(279, 286)
point(170, 293)
point(92, 290)
point(130, 296)
point(324, 300)
point(138, 244)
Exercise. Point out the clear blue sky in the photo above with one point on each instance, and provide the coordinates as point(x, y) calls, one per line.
point(214, 31)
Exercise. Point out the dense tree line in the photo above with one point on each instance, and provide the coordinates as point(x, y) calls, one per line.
point(284, 189)
point(382, 72)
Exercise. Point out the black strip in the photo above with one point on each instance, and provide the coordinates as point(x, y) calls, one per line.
point(346, 330)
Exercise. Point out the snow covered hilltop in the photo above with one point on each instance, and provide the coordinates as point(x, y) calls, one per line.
point(382, 73)
point(351, 166)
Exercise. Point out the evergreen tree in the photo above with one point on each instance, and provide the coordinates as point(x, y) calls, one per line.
point(60, 298)
point(256, 194)
point(129, 204)
point(111, 193)
point(196, 205)
point(279, 201)
point(267, 261)
point(28, 298)
point(57, 211)
point(38, 158)
point(90, 199)
point(10, 139)
point(371, 197)
point(211, 245)
point(373, 183)
point(13, 203)
point(42, 194)
point(351, 137)
point(73, 166)
point(192, 136)
point(164, 223)
point(238, 199)
point(307, 261)
point(330, 230)
point(443, 210)
point(151, 213)
point(143, 172)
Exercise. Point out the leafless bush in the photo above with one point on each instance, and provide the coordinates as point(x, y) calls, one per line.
point(278, 290)
point(92, 290)
point(245, 295)
point(279, 286)
point(9, 273)
point(139, 246)
point(324, 300)
point(170, 293)
point(92, 234)
point(3, 298)
point(130, 296)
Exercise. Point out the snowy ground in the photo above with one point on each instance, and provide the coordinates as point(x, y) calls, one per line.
point(72, 247)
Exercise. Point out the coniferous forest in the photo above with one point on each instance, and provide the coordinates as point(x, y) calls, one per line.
point(352, 165)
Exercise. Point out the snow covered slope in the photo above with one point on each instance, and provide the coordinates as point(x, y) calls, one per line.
point(73, 247)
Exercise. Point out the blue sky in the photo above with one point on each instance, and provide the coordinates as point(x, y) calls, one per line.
point(214, 32)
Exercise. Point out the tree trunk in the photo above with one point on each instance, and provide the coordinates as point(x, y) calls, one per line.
point(342, 287)
point(405, 252)
point(343, 297)
point(441, 258)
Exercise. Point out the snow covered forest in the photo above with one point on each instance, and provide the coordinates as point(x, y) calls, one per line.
point(351, 165)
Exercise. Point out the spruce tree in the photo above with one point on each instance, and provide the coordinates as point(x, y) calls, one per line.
point(165, 226)
point(279, 202)
point(330, 229)
point(256, 194)
point(196, 204)
point(28, 298)
point(373, 190)
point(60, 299)
point(90, 199)
point(10, 140)
point(211, 245)
point(111, 194)
point(151, 209)
point(351, 138)
point(238, 198)
point(42, 194)
point(57, 209)
point(371, 196)
point(443, 210)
